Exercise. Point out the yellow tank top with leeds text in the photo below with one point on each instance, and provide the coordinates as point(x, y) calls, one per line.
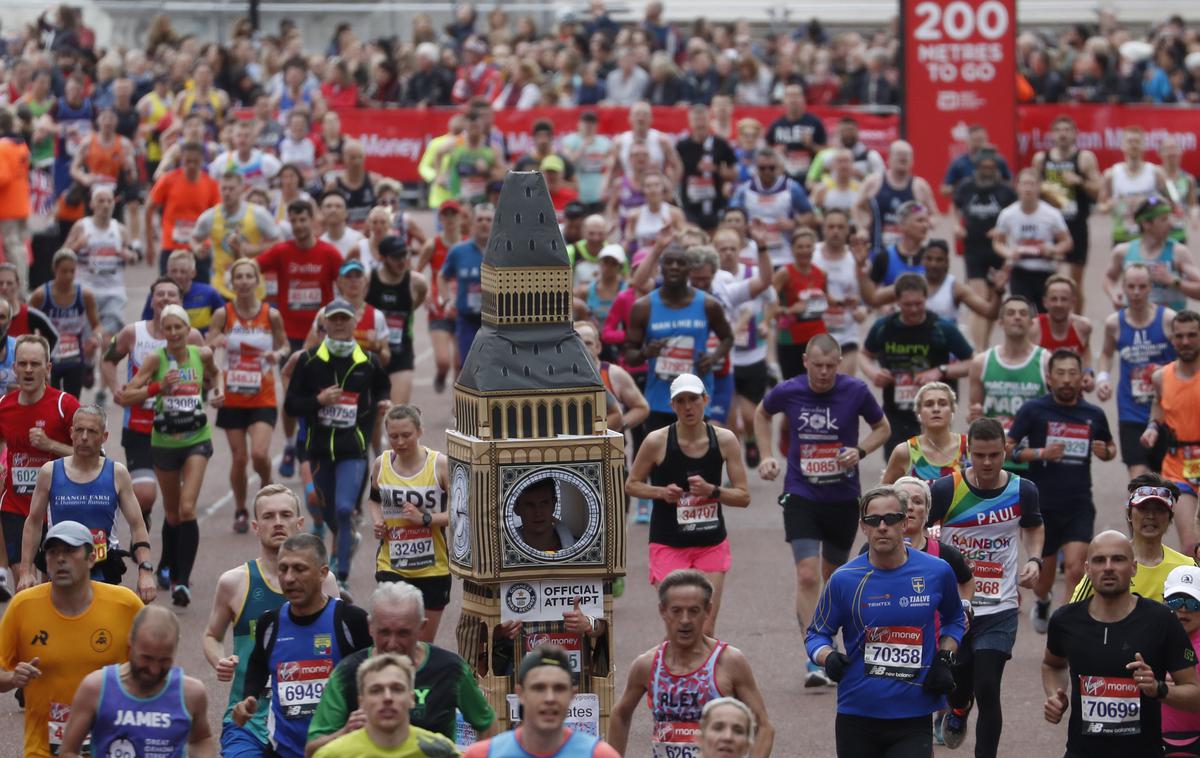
point(222, 259)
point(68, 648)
point(411, 549)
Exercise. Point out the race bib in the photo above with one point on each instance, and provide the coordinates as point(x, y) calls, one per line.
point(410, 547)
point(67, 347)
point(701, 189)
point(905, 390)
point(271, 282)
point(24, 479)
point(181, 233)
point(472, 187)
point(100, 544)
point(244, 377)
point(396, 325)
point(180, 403)
point(59, 713)
point(1191, 461)
point(340, 415)
point(1073, 437)
point(742, 337)
point(304, 296)
point(989, 580)
point(696, 513)
point(299, 684)
point(1110, 705)
point(815, 306)
point(797, 161)
point(474, 297)
point(818, 461)
point(568, 642)
point(837, 317)
point(675, 739)
point(893, 652)
point(105, 262)
point(1141, 383)
point(678, 356)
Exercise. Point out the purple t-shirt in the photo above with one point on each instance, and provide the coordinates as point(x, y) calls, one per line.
point(821, 426)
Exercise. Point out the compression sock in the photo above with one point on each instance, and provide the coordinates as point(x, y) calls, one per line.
point(188, 536)
point(167, 559)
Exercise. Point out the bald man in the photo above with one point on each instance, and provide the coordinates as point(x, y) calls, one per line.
point(133, 708)
point(1118, 648)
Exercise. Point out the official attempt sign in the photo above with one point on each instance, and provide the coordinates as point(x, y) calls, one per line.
point(959, 69)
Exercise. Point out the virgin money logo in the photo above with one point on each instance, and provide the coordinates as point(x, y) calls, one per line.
point(291, 671)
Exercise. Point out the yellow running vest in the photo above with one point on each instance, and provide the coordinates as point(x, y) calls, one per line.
point(411, 549)
point(222, 259)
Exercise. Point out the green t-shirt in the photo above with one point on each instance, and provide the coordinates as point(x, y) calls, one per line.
point(420, 744)
point(467, 182)
point(443, 683)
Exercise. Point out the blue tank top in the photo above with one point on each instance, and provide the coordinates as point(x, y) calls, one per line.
point(886, 201)
point(1159, 293)
point(69, 322)
point(600, 306)
point(897, 266)
point(127, 725)
point(1142, 351)
point(301, 662)
point(578, 745)
point(685, 335)
point(94, 504)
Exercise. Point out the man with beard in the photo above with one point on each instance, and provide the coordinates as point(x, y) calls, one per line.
point(132, 708)
point(1008, 375)
point(1077, 173)
point(1173, 417)
point(1114, 652)
point(1057, 434)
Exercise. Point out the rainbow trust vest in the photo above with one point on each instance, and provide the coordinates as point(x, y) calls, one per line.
point(987, 531)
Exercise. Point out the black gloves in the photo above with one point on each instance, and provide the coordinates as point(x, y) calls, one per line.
point(835, 665)
point(940, 678)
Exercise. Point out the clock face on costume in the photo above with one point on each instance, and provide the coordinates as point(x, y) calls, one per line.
point(460, 514)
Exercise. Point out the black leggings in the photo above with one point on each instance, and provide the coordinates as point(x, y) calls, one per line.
point(863, 737)
point(980, 678)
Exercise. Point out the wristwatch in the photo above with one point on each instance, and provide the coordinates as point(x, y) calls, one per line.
point(146, 566)
point(426, 518)
point(716, 492)
point(1162, 691)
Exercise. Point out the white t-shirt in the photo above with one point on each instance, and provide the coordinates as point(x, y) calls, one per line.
point(748, 346)
point(841, 278)
point(257, 171)
point(346, 243)
point(1021, 228)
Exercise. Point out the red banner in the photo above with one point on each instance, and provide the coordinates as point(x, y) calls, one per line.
point(959, 69)
point(395, 139)
point(1100, 130)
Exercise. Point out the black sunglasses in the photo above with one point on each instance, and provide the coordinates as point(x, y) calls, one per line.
point(891, 519)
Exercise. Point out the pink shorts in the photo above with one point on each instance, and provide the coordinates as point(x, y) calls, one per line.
point(714, 559)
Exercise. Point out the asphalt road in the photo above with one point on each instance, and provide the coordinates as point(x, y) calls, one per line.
point(757, 612)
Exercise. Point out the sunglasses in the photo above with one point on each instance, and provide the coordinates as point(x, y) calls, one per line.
point(1183, 603)
point(891, 519)
point(1149, 491)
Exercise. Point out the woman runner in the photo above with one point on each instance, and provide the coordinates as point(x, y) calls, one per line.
point(935, 403)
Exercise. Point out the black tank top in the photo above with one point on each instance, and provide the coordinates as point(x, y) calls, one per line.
point(1079, 205)
point(359, 202)
point(695, 521)
point(395, 300)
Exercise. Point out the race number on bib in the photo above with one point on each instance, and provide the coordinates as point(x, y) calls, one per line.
point(180, 403)
point(700, 189)
point(905, 390)
point(105, 262)
point(1191, 461)
point(67, 348)
point(244, 377)
point(396, 324)
point(989, 581)
point(1110, 705)
point(474, 297)
point(677, 357)
point(24, 479)
point(675, 739)
point(100, 544)
point(568, 642)
point(59, 713)
point(893, 652)
point(696, 514)
point(1141, 384)
point(1073, 437)
point(300, 684)
point(818, 461)
point(304, 296)
point(410, 547)
point(181, 233)
point(340, 415)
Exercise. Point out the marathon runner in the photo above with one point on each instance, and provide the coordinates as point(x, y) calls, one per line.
point(1140, 334)
point(243, 594)
point(230, 230)
point(822, 487)
point(444, 683)
point(178, 376)
point(1173, 418)
point(144, 707)
point(988, 514)
point(463, 268)
point(544, 690)
point(1149, 510)
point(77, 323)
point(468, 166)
point(1181, 729)
point(906, 350)
point(1127, 183)
point(845, 312)
point(680, 468)
point(905, 255)
point(616, 380)
point(1058, 434)
point(1032, 236)
point(1059, 326)
point(8, 341)
point(947, 293)
point(200, 299)
point(803, 296)
point(936, 404)
point(708, 669)
point(336, 389)
point(438, 307)
point(917, 536)
point(978, 200)
point(89, 488)
point(1114, 653)
point(774, 203)
point(181, 196)
point(1077, 172)
point(43, 630)
point(35, 428)
point(388, 694)
point(727, 729)
point(333, 223)
point(890, 649)
point(408, 486)
point(297, 645)
point(882, 194)
point(253, 338)
point(1173, 271)
point(397, 292)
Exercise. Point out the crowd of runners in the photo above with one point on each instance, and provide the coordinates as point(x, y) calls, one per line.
point(760, 301)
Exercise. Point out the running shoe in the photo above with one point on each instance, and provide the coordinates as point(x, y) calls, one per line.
point(1039, 614)
point(181, 596)
point(164, 578)
point(287, 464)
point(816, 676)
point(954, 727)
point(6, 591)
point(939, 720)
point(753, 457)
point(439, 383)
point(241, 522)
point(642, 514)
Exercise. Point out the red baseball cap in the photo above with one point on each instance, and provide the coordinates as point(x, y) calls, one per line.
point(449, 205)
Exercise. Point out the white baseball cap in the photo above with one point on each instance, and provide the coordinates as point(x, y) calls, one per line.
point(687, 383)
point(616, 252)
point(1183, 580)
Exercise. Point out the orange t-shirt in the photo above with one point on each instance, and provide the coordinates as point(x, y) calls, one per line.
point(182, 203)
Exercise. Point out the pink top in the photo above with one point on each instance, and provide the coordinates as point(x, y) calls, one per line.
point(613, 332)
point(1175, 722)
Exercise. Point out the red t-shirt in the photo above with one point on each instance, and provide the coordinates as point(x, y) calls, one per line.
point(53, 414)
point(306, 280)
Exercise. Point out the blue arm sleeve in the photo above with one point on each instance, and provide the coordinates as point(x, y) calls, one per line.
point(827, 620)
point(950, 609)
